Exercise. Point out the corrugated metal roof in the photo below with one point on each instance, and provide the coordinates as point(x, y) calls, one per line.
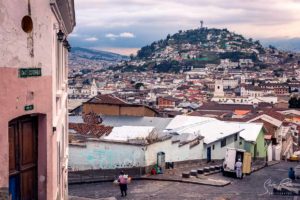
point(159, 123)
point(125, 133)
point(212, 129)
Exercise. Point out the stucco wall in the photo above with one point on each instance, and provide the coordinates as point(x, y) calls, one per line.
point(261, 148)
point(173, 152)
point(15, 52)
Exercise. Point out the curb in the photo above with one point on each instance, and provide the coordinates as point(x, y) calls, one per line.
point(265, 165)
point(147, 179)
point(183, 181)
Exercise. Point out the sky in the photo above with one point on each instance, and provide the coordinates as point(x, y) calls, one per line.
point(124, 26)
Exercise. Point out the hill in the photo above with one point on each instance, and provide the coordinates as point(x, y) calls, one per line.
point(194, 48)
point(292, 44)
point(96, 55)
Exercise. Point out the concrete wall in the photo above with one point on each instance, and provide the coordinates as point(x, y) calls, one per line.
point(218, 152)
point(105, 155)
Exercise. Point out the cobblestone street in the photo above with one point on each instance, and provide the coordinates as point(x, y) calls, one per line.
point(251, 187)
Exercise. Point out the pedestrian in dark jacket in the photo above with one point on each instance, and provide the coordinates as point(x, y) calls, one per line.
point(292, 174)
point(123, 183)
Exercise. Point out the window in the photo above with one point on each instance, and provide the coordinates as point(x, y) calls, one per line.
point(223, 142)
point(213, 146)
point(235, 137)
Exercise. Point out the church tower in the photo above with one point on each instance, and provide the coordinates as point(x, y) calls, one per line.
point(219, 88)
point(243, 79)
point(94, 89)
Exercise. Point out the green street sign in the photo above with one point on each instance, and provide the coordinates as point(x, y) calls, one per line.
point(30, 72)
point(28, 107)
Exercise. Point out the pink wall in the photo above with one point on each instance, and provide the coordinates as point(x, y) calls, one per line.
point(15, 93)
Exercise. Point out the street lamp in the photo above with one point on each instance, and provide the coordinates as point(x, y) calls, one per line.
point(60, 36)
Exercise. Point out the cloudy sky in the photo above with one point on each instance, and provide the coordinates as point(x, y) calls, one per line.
point(125, 25)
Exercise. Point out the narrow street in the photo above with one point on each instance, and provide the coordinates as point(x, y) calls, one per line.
point(251, 187)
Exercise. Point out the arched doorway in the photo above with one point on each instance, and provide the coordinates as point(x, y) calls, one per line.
point(23, 156)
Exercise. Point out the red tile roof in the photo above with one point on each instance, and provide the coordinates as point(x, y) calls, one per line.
point(274, 114)
point(93, 130)
point(270, 129)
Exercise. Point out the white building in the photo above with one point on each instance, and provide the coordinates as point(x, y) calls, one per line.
point(133, 146)
point(184, 139)
point(245, 100)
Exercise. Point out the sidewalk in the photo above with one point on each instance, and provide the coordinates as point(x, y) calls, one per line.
point(82, 198)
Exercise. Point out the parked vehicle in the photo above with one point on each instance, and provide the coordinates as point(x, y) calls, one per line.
point(231, 157)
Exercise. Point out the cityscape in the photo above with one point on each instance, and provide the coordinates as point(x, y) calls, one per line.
point(188, 105)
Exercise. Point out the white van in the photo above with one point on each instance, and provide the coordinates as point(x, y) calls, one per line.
point(231, 157)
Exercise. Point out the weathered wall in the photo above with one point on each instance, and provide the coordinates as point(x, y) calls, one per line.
point(117, 110)
point(104, 155)
point(16, 44)
point(28, 50)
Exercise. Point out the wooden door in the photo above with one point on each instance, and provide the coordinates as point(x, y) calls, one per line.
point(247, 163)
point(23, 159)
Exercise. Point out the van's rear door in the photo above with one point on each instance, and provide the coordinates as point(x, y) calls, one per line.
point(230, 158)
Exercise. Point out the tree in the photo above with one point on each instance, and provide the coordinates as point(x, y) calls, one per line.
point(294, 102)
point(131, 56)
point(168, 36)
point(138, 85)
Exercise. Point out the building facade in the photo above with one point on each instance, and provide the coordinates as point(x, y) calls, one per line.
point(33, 98)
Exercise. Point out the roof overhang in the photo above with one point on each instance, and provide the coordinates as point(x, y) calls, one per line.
point(64, 12)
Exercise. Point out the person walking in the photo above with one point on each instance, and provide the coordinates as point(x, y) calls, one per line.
point(238, 168)
point(123, 183)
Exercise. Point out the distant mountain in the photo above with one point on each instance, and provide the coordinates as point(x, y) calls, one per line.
point(283, 44)
point(96, 55)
